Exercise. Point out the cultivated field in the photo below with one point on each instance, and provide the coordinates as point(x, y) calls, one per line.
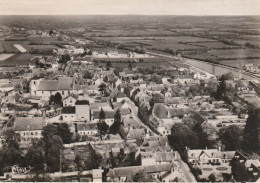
point(5, 56)
point(18, 59)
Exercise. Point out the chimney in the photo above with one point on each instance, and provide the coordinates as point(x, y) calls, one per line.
point(219, 148)
point(166, 144)
point(206, 147)
point(172, 169)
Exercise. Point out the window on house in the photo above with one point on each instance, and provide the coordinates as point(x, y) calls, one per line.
point(31, 133)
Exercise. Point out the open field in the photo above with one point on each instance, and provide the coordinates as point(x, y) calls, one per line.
point(240, 63)
point(7, 47)
point(18, 59)
point(236, 53)
point(20, 48)
point(213, 44)
point(5, 56)
point(131, 32)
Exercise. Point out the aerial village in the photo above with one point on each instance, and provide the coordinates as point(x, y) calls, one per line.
point(76, 116)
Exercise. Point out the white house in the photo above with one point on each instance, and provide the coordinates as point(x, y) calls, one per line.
point(69, 101)
point(89, 129)
point(29, 128)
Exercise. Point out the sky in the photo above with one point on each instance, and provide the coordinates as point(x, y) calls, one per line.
point(135, 7)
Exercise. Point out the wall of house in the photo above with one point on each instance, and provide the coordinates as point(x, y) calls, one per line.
point(88, 132)
point(83, 112)
point(69, 117)
point(27, 136)
point(148, 161)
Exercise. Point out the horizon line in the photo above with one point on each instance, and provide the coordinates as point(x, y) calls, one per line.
point(125, 15)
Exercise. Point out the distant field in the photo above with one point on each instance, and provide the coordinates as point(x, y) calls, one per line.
point(131, 32)
point(144, 64)
point(212, 44)
point(20, 48)
point(7, 47)
point(5, 56)
point(18, 59)
point(126, 60)
point(240, 63)
point(236, 53)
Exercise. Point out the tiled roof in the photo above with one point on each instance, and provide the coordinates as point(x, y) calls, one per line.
point(98, 105)
point(82, 102)
point(68, 110)
point(48, 85)
point(29, 123)
point(131, 171)
point(108, 114)
point(86, 126)
point(136, 133)
point(178, 112)
point(66, 83)
point(121, 95)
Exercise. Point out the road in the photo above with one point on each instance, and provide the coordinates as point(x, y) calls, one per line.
point(134, 110)
point(242, 73)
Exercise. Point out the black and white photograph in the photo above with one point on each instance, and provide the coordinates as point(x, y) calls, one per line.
point(130, 91)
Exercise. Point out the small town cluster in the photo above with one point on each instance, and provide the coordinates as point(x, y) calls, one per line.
point(77, 116)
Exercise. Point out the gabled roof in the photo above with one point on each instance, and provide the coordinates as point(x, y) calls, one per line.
point(68, 110)
point(131, 171)
point(121, 95)
point(136, 133)
point(86, 126)
point(82, 102)
point(108, 114)
point(48, 85)
point(178, 112)
point(29, 123)
point(66, 83)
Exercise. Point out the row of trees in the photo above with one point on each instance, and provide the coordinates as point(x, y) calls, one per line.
point(104, 129)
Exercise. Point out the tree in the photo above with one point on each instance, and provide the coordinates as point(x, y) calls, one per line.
point(18, 87)
point(182, 136)
point(102, 128)
point(212, 177)
point(65, 58)
point(48, 132)
point(53, 153)
point(108, 65)
point(114, 128)
point(11, 139)
point(221, 89)
point(58, 99)
point(230, 137)
point(102, 115)
point(51, 99)
point(102, 88)
point(105, 79)
point(35, 158)
point(239, 170)
point(142, 177)
point(64, 132)
point(252, 131)
point(203, 137)
point(157, 98)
